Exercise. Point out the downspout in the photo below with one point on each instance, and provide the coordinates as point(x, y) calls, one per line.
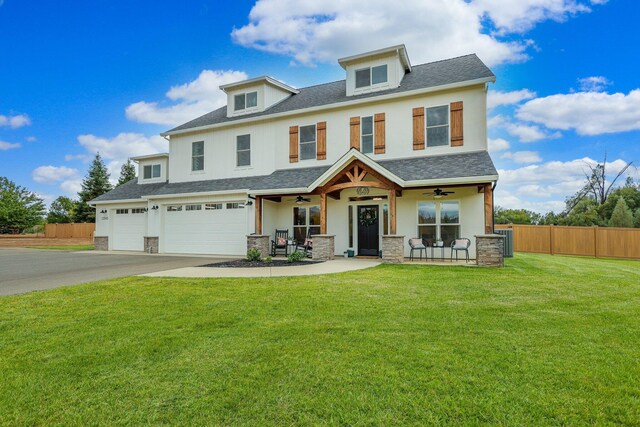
point(493, 208)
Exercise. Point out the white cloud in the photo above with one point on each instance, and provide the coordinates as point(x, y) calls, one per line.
point(522, 156)
point(588, 113)
point(496, 98)
point(9, 145)
point(529, 133)
point(594, 84)
point(52, 174)
point(310, 31)
point(71, 187)
point(194, 99)
point(498, 144)
point(14, 122)
point(122, 146)
point(31, 139)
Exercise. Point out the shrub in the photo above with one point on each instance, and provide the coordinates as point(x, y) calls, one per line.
point(253, 254)
point(268, 260)
point(295, 256)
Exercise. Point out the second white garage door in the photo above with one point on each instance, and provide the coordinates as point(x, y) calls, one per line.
point(206, 228)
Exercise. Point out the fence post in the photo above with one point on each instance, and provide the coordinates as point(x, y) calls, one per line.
point(595, 241)
point(551, 238)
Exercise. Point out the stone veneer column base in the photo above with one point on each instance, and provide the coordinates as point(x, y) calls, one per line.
point(323, 247)
point(151, 245)
point(260, 242)
point(490, 250)
point(101, 243)
point(393, 249)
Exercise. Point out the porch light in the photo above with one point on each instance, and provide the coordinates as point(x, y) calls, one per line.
point(248, 203)
point(155, 207)
point(103, 211)
point(438, 196)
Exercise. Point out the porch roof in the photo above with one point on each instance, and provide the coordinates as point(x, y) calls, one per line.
point(410, 172)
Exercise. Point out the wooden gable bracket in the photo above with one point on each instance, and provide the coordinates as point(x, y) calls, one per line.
point(355, 173)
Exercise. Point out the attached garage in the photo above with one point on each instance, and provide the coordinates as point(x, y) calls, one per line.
point(129, 225)
point(205, 228)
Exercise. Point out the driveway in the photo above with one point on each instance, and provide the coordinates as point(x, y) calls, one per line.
point(25, 270)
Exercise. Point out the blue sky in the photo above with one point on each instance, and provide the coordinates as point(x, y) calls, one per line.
point(79, 77)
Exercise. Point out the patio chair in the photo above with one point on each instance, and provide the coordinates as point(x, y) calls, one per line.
point(460, 245)
point(280, 243)
point(307, 246)
point(416, 244)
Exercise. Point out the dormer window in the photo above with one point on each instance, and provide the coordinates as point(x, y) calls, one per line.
point(371, 76)
point(151, 171)
point(244, 101)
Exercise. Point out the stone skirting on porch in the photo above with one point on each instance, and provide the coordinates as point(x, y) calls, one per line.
point(151, 244)
point(259, 242)
point(101, 243)
point(393, 249)
point(490, 250)
point(323, 247)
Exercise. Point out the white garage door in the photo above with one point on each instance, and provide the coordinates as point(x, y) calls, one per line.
point(129, 227)
point(206, 228)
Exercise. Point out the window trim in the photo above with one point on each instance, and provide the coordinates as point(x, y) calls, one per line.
point(151, 167)
point(315, 142)
point(199, 156)
point(306, 225)
point(213, 206)
point(438, 223)
point(373, 135)
point(371, 83)
point(192, 207)
point(122, 211)
point(448, 126)
point(174, 208)
point(246, 150)
point(244, 95)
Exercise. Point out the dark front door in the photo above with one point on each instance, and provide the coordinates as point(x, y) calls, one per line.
point(368, 230)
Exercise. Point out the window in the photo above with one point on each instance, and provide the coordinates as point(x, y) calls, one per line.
point(439, 220)
point(174, 208)
point(245, 100)
point(138, 210)
point(307, 142)
point(366, 130)
point(122, 211)
point(197, 156)
point(385, 219)
point(193, 208)
point(212, 206)
point(371, 76)
point(437, 126)
point(243, 150)
point(151, 171)
point(305, 218)
point(235, 205)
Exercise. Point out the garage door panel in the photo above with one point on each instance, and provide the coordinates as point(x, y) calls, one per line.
point(221, 231)
point(128, 231)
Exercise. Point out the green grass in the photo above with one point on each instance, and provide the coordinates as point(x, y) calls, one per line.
point(65, 247)
point(545, 341)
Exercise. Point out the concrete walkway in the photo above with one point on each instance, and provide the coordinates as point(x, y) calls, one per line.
point(339, 265)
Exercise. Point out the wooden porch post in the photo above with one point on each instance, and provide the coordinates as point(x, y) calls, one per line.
point(392, 212)
point(258, 214)
point(488, 209)
point(323, 213)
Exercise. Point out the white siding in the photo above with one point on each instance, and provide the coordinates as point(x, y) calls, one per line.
point(162, 161)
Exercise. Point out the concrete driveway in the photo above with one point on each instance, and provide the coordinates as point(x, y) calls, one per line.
point(25, 270)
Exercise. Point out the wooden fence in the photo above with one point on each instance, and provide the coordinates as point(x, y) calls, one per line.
point(587, 241)
point(69, 231)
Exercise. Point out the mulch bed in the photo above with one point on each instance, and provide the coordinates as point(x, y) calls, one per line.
point(243, 263)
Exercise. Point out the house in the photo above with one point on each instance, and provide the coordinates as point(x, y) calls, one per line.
point(391, 152)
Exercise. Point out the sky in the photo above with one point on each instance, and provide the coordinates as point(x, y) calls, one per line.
point(81, 77)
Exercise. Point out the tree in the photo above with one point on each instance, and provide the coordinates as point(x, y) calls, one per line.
point(630, 194)
point(127, 173)
point(61, 210)
point(636, 218)
point(516, 216)
point(621, 216)
point(19, 208)
point(94, 184)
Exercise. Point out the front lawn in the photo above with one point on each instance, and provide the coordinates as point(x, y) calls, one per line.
point(546, 341)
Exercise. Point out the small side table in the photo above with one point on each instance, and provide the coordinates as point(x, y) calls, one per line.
point(437, 246)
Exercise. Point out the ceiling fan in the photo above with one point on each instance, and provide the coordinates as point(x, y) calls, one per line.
point(438, 193)
point(300, 199)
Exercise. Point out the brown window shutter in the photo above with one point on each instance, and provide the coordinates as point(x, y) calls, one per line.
point(321, 147)
point(418, 128)
point(457, 139)
point(293, 144)
point(379, 142)
point(355, 132)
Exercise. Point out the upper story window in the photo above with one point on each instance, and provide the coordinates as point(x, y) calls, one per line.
point(151, 171)
point(243, 150)
point(307, 142)
point(246, 100)
point(366, 134)
point(438, 126)
point(371, 76)
point(197, 156)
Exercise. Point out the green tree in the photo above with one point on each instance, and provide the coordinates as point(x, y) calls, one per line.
point(94, 184)
point(516, 216)
point(127, 173)
point(61, 211)
point(19, 208)
point(630, 194)
point(621, 216)
point(636, 218)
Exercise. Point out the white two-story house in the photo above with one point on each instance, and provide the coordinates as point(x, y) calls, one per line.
point(394, 149)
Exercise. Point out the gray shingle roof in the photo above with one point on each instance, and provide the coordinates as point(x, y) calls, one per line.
point(433, 74)
point(412, 169)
